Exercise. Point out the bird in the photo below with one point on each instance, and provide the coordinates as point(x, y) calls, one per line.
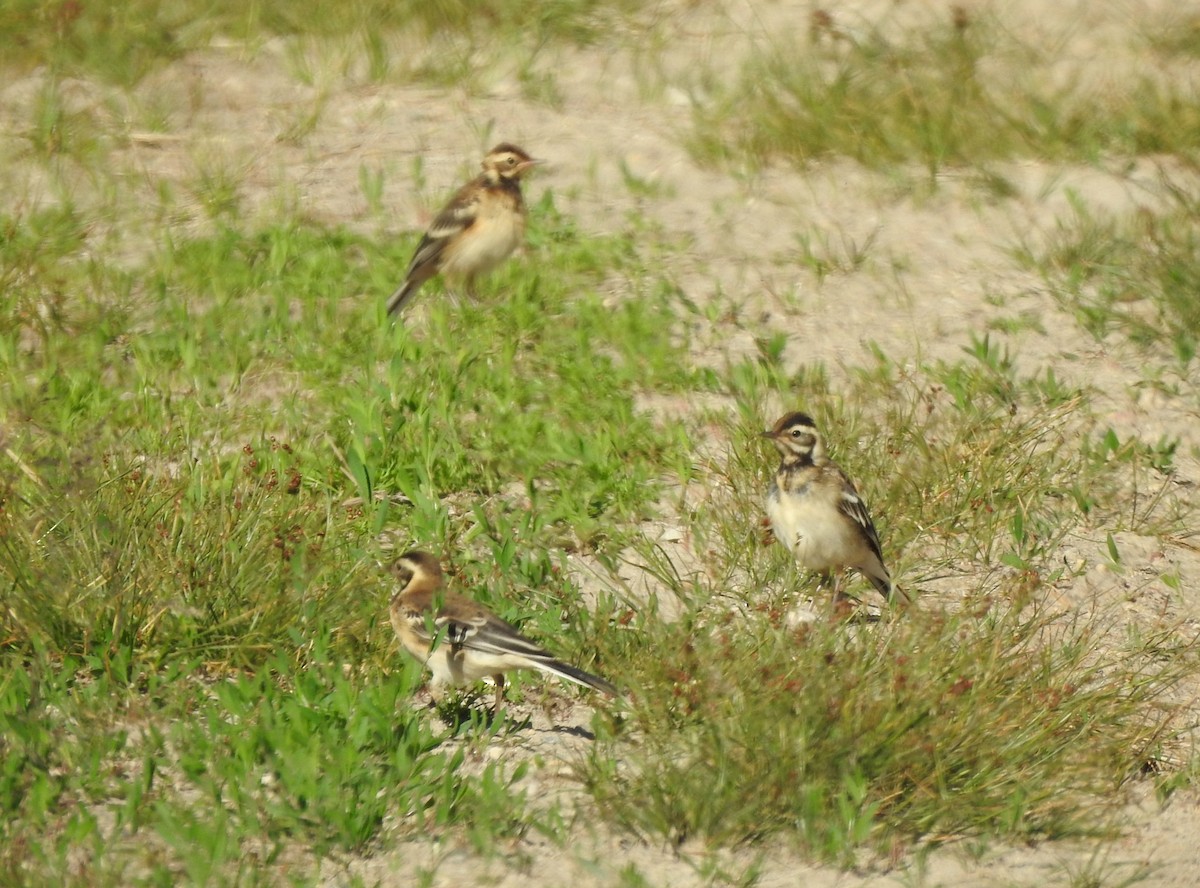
point(460, 640)
point(815, 510)
point(478, 229)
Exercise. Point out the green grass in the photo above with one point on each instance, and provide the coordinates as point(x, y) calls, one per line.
point(932, 728)
point(223, 419)
point(948, 94)
point(123, 43)
point(985, 714)
point(146, 777)
point(1136, 273)
point(204, 450)
point(982, 466)
point(211, 435)
point(207, 447)
point(1177, 36)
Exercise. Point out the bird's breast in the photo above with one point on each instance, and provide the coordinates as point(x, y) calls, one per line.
point(492, 238)
point(812, 530)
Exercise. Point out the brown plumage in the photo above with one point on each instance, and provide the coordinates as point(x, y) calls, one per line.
point(481, 226)
point(816, 511)
point(471, 641)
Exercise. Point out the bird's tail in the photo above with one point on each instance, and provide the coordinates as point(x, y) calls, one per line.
point(571, 673)
point(885, 587)
point(405, 292)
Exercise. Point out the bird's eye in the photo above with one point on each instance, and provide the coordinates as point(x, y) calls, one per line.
point(796, 433)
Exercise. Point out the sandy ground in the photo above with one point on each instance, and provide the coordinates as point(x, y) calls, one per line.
point(939, 270)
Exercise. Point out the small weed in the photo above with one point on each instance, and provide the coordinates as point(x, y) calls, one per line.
point(370, 181)
point(1136, 274)
point(62, 126)
point(1179, 35)
point(823, 258)
point(122, 44)
point(926, 96)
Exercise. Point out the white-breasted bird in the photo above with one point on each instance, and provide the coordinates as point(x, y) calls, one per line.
point(478, 229)
point(816, 511)
point(460, 640)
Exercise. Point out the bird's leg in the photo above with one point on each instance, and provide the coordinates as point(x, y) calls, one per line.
point(844, 605)
point(825, 580)
point(436, 692)
point(498, 678)
point(768, 533)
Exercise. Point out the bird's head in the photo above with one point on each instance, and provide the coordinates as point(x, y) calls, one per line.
point(796, 438)
point(507, 161)
point(416, 567)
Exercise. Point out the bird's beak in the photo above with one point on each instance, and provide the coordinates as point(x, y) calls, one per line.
point(532, 162)
point(770, 433)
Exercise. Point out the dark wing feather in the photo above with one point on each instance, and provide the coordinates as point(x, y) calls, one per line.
point(457, 216)
point(453, 220)
point(852, 506)
point(464, 624)
point(458, 629)
point(484, 632)
point(497, 637)
point(491, 635)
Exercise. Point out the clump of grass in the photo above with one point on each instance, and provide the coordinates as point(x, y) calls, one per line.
point(179, 775)
point(182, 437)
point(123, 43)
point(325, 753)
point(136, 568)
point(34, 283)
point(1177, 35)
point(1135, 273)
point(959, 92)
point(992, 721)
point(880, 101)
point(979, 712)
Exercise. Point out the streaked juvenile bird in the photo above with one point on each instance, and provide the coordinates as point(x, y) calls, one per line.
point(815, 510)
point(481, 227)
point(460, 640)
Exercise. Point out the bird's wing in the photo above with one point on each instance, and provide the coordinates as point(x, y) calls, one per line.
point(457, 215)
point(852, 506)
point(496, 637)
point(489, 634)
point(455, 218)
point(464, 623)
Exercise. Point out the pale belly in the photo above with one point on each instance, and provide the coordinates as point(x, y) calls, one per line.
point(493, 240)
point(450, 666)
point(816, 542)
